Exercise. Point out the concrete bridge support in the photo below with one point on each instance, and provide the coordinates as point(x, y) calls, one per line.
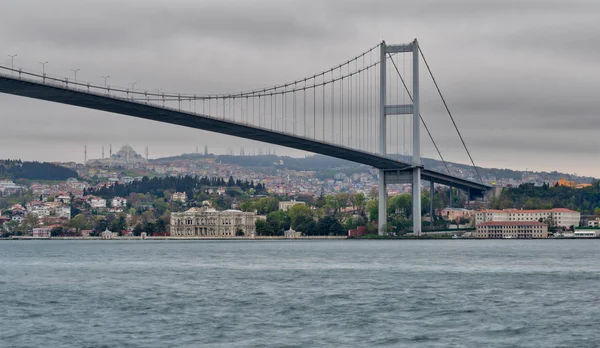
point(413, 109)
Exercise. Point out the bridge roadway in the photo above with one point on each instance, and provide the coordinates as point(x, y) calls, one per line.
point(54, 92)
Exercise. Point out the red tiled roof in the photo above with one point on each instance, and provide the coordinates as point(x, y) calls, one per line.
point(512, 223)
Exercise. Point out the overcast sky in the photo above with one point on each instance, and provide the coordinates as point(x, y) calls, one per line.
point(521, 76)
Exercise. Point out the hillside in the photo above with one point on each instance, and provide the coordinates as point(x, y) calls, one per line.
point(17, 169)
point(320, 163)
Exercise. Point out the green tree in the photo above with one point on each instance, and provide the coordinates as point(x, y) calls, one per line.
point(299, 214)
point(279, 221)
point(330, 225)
point(263, 228)
point(79, 223)
point(372, 207)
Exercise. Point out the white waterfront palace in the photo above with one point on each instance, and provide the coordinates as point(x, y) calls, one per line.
point(208, 222)
point(558, 216)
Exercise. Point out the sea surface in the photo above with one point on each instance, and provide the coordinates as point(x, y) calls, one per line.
point(442, 293)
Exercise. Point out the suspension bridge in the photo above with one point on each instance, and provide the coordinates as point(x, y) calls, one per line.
point(352, 111)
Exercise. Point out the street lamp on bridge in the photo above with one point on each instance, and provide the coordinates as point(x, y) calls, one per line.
point(75, 72)
point(133, 85)
point(12, 61)
point(44, 68)
point(105, 79)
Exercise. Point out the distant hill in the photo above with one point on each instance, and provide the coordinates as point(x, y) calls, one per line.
point(325, 163)
point(17, 169)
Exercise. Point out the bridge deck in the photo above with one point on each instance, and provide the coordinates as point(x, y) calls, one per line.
point(77, 97)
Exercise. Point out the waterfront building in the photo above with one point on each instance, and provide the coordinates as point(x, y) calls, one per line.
point(42, 232)
point(108, 234)
point(209, 222)
point(511, 229)
point(292, 234)
point(559, 216)
point(586, 234)
point(286, 205)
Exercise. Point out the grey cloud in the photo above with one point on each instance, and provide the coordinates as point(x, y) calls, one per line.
point(520, 75)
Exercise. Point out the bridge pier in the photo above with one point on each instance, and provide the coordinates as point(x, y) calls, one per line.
point(431, 197)
point(385, 110)
point(382, 216)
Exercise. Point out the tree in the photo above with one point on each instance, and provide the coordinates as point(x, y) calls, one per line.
point(353, 222)
point(299, 214)
point(9, 228)
point(330, 226)
point(400, 205)
point(79, 222)
point(372, 207)
point(305, 224)
point(263, 228)
point(279, 221)
point(29, 222)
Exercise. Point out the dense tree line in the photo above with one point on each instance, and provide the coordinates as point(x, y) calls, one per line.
point(157, 186)
point(527, 196)
point(17, 169)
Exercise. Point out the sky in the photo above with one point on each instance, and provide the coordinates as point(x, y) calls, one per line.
point(520, 76)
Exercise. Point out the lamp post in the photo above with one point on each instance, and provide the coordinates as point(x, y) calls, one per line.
point(75, 72)
point(44, 70)
point(133, 85)
point(12, 61)
point(105, 79)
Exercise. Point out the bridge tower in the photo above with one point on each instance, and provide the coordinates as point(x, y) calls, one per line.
point(413, 173)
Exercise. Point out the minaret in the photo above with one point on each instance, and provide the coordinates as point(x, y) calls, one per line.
point(102, 151)
point(85, 154)
point(205, 150)
point(146, 152)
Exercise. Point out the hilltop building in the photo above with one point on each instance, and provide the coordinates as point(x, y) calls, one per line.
point(208, 222)
point(286, 205)
point(179, 197)
point(572, 184)
point(126, 157)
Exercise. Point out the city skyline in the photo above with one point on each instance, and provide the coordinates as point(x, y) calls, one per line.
point(491, 76)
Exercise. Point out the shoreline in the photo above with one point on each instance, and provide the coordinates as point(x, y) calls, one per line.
point(179, 238)
point(264, 238)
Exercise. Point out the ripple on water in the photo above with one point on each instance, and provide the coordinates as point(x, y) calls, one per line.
point(299, 294)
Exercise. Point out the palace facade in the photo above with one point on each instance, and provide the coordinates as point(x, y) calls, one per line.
point(208, 222)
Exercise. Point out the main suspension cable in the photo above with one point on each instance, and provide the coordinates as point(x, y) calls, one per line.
point(450, 114)
point(421, 117)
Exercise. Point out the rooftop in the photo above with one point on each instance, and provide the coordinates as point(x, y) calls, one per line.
point(512, 223)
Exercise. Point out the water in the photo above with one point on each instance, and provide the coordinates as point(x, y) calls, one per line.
point(454, 293)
